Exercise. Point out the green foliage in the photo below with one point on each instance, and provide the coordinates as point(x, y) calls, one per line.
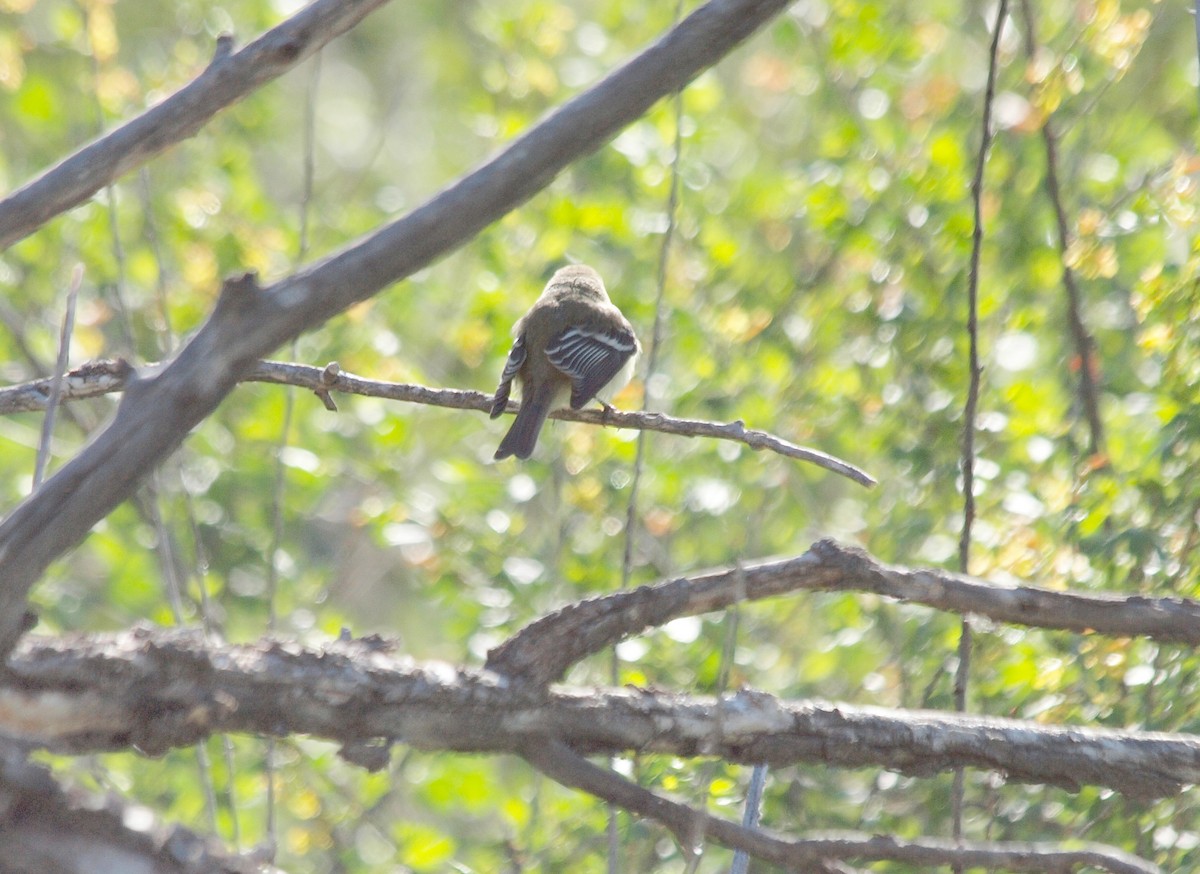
point(816, 289)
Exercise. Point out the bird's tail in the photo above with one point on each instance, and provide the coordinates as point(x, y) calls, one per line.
point(523, 434)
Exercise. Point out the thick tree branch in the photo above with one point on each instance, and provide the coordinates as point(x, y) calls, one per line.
point(543, 651)
point(159, 410)
point(156, 690)
point(103, 377)
point(45, 828)
point(229, 78)
point(691, 828)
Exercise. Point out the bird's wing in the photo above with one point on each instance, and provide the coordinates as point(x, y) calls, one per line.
point(516, 358)
point(591, 357)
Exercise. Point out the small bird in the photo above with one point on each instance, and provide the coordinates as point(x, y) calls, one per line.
point(572, 339)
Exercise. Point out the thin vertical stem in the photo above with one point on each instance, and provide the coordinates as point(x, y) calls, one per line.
point(1081, 337)
point(60, 368)
point(289, 405)
point(149, 497)
point(962, 673)
point(652, 353)
point(751, 815)
point(1196, 23)
point(166, 333)
point(732, 622)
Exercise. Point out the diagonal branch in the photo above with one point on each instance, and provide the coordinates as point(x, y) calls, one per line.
point(230, 77)
point(821, 854)
point(103, 377)
point(158, 690)
point(544, 650)
point(158, 411)
point(562, 764)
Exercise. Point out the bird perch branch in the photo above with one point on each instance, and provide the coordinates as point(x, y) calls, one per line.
point(104, 377)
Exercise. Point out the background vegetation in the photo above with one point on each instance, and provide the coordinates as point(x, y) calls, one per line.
point(816, 288)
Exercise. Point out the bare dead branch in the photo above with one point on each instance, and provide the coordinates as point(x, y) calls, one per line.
point(544, 650)
point(559, 762)
point(102, 377)
point(158, 411)
point(156, 690)
point(229, 77)
point(46, 828)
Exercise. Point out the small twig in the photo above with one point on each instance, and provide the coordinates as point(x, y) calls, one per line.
point(559, 762)
point(103, 377)
point(223, 49)
point(328, 378)
point(56, 381)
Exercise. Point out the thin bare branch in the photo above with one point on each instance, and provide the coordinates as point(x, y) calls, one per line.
point(156, 690)
point(230, 77)
point(559, 762)
point(102, 377)
point(158, 411)
point(962, 671)
point(544, 650)
point(824, 853)
point(1081, 337)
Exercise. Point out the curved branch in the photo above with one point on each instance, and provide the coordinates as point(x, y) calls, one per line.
point(691, 827)
point(156, 690)
point(158, 411)
point(543, 651)
point(230, 77)
point(103, 377)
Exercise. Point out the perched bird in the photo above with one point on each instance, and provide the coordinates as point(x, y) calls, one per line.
point(572, 340)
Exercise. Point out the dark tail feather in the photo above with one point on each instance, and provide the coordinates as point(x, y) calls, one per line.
point(523, 434)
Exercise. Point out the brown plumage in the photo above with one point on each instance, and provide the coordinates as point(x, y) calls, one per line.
point(572, 341)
